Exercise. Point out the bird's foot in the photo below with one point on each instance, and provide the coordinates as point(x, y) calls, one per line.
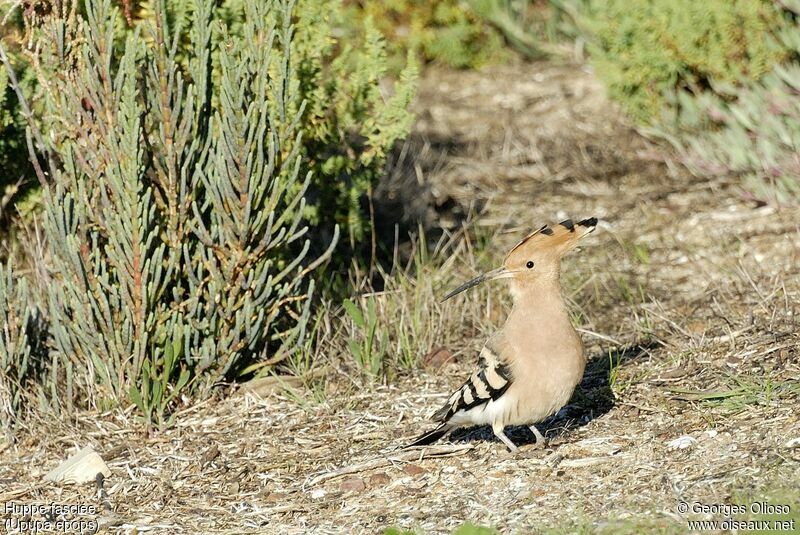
point(541, 442)
point(512, 448)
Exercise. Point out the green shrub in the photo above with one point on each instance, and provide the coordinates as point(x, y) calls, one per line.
point(10, 130)
point(754, 137)
point(533, 28)
point(472, 529)
point(644, 49)
point(16, 173)
point(450, 32)
point(187, 165)
point(750, 130)
point(369, 347)
point(21, 345)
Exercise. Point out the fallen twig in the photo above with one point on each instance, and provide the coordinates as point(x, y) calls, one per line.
point(598, 335)
point(8, 496)
point(411, 454)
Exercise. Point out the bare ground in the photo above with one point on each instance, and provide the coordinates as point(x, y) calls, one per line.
point(687, 297)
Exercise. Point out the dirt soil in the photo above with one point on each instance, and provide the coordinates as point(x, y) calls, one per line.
point(687, 297)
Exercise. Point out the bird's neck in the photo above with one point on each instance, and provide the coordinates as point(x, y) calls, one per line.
point(539, 305)
point(541, 329)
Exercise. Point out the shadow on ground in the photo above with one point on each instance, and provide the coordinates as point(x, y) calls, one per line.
point(593, 398)
point(404, 201)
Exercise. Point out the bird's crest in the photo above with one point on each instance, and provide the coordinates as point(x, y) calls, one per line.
point(565, 233)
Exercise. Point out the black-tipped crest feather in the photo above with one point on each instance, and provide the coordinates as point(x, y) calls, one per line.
point(543, 229)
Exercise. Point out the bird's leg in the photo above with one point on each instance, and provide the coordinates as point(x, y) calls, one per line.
point(499, 433)
point(540, 440)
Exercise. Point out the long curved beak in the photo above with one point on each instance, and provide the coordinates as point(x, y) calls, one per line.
point(499, 273)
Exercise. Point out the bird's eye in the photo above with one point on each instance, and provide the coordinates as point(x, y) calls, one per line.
point(529, 265)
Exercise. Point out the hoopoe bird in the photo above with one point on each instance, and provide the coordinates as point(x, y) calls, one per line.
point(528, 370)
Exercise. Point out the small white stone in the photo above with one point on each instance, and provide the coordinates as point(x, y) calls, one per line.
point(81, 468)
point(318, 493)
point(792, 443)
point(681, 443)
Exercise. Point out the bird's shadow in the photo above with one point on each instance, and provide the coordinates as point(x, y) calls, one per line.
point(593, 398)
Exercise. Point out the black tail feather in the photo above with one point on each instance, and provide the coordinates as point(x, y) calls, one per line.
point(431, 436)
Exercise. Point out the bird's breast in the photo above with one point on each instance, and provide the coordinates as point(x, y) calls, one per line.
point(544, 377)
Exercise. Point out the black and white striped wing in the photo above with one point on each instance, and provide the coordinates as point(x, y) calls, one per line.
point(489, 382)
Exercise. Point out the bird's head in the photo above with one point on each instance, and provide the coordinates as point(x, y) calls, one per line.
point(537, 257)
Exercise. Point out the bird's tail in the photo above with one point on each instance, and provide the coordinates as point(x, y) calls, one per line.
point(431, 436)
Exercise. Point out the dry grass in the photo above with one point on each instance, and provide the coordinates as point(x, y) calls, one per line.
point(687, 297)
